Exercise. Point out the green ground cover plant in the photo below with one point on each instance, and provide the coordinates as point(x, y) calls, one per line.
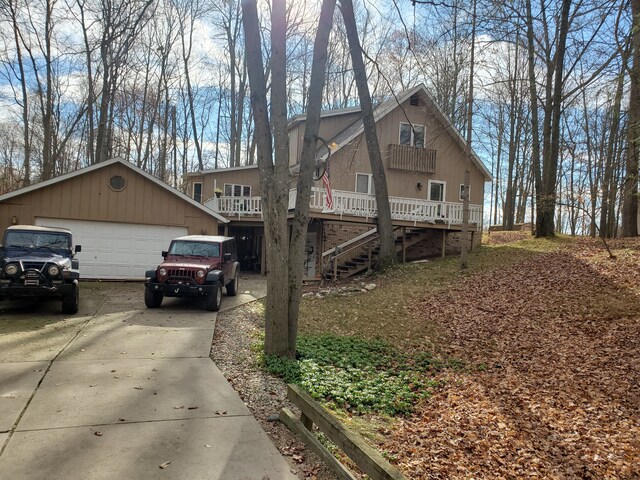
point(357, 375)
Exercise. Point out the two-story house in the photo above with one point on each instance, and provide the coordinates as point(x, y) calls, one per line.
point(424, 161)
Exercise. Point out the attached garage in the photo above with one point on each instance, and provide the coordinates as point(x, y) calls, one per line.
point(122, 216)
point(116, 250)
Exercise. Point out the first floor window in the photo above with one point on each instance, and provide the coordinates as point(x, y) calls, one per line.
point(364, 183)
point(462, 192)
point(233, 190)
point(436, 191)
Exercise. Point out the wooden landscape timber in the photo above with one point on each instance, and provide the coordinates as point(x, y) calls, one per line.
point(368, 459)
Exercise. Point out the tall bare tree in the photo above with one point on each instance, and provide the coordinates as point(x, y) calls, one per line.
point(387, 254)
point(629, 227)
point(464, 241)
point(121, 23)
point(283, 276)
point(9, 9)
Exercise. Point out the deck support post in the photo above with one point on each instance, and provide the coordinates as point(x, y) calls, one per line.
point(444, 242)
point(263, 255)
point(404, 247)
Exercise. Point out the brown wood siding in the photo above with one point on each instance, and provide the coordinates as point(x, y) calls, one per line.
point(248, 176)
point(89, 197)
point(354, 158)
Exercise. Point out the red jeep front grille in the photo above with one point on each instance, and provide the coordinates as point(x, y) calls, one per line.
point(181, 272)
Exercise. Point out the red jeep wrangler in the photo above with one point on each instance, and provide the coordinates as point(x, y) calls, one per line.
point(195, 266)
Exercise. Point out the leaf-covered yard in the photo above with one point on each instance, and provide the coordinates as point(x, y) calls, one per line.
point(549, 335)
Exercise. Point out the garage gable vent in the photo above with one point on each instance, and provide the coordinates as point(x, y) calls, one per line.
point(414, 100)
point(117, 183)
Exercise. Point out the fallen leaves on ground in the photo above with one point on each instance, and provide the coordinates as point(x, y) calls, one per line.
point(552, 385)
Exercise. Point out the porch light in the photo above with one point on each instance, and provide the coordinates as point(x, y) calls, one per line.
point(419, 186)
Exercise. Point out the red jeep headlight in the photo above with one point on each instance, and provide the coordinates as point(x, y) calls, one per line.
point(162, 272)
point(200, 273)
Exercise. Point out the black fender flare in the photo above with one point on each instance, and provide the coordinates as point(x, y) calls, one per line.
point(215, 276)
point(235, 270)
point(150, 274)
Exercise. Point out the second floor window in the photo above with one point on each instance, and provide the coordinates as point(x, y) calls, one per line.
point(233, 190)
point(197, 192)
point(412, 135)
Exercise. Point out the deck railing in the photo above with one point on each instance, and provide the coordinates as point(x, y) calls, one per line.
point(412, 159)
point(355, 204)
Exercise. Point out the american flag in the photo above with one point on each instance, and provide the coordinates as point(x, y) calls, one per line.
point(326, 181)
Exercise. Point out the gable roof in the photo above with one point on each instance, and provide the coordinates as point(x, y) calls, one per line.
point(98, 166)
point(301, 117)
point(216, 170)
point(357, 128)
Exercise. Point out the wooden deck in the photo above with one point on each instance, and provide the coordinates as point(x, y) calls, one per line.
point(348, 205)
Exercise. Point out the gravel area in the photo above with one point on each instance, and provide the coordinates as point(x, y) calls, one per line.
point(236, 331)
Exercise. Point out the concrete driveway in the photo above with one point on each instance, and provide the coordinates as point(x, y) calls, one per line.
point(121, 392)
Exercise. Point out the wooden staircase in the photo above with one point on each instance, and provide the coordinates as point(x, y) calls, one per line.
point(361, 254)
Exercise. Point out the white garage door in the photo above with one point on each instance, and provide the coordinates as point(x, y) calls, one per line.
point(116, 250)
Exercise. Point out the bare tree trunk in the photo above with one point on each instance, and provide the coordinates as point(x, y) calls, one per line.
point(614, 129)
point(546, 207)
point(385, 226)
point(25, 96)
point(629, 227)
point(242, 90)
point(174, 144)
point(273, 176)
point(496, 178)
point(217, 152)
point(307, 166)
point(535, 124)
point(48, 162)
point(186, 54)
point(464, 234)
point(91, 95)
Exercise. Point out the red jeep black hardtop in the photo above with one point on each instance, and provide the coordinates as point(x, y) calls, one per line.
point(195, 265)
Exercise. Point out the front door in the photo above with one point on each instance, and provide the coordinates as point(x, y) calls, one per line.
point(310, 255)
point(436, 194)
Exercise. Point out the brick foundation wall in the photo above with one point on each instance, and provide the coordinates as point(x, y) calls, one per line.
point(432, 245)
point(429, 247)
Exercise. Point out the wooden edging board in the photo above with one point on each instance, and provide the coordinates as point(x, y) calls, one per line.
point(288, 418)
point(353, 445)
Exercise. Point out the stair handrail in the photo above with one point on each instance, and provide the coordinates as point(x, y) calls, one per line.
point(341, 253)
point(349, 242)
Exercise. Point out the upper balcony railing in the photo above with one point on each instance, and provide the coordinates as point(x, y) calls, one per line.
point(355, 204)
point(413, 159)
